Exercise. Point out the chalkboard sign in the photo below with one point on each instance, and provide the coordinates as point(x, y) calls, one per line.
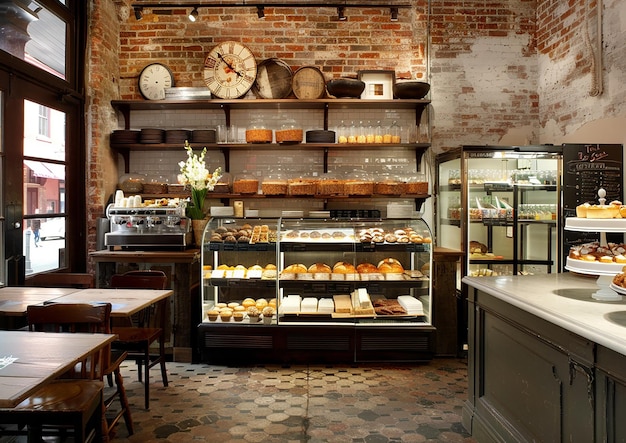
point(586, 169)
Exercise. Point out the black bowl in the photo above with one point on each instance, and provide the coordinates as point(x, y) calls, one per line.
point(411, 89)
point(345, 87)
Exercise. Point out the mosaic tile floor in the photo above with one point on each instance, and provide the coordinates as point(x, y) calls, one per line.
point(301, 403)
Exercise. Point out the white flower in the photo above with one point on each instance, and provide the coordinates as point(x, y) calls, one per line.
point(194, 173)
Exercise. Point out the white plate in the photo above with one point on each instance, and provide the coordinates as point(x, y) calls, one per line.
point(593, 268)
point(618, 289)
point(595, 224)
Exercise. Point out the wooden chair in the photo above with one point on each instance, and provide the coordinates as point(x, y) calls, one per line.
point(90, 318)
point(74, 405)
point(62, 280)
point(148, 327)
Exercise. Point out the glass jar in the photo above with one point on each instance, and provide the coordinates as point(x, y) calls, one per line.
point(289, 132)
point(245, 183)
point(224, 184)
point(275, 183)
point(132, 183)
point(330, 184)
point(258, 132)
point(359, 183)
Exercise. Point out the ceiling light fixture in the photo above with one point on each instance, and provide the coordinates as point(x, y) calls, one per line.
point(260, 12)
point(394, 14)
point(193, 15)
point(138, 12)
point(341, 13)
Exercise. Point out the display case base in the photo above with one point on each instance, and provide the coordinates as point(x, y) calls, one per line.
point(220, 343)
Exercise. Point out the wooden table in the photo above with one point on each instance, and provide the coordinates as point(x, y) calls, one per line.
point(39, 358)
point(183, 270)
point(124, 302)
point(15, 299)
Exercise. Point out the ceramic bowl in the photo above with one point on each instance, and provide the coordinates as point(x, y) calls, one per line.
point(345, 87)
point(410, 89)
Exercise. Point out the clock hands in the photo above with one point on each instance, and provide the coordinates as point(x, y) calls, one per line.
point(221, 57)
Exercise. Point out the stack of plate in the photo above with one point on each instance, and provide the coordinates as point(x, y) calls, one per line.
point(177, 136)
point(319, 136)
point(125, 136)
point(203, 136)
point(187, 93)
point(149, 135)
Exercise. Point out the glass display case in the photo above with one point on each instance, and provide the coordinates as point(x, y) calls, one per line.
point(302, 289)
point(501, 205)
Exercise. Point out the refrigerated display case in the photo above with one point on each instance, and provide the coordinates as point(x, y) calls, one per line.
point(501, 206)
point(326, 290)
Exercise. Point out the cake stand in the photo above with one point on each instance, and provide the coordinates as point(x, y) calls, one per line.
point(604, 271)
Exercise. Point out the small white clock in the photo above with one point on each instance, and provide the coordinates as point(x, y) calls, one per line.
point(154, 79)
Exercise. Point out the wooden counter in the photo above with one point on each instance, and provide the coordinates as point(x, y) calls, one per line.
point(183, 270)
point(547, 362)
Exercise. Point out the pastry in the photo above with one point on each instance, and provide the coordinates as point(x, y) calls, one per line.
point(390, 265)
point(238, 316)
point(606, 259)
point(213, 314)
point(226, 314)
point(248, 302)
point(296, 268)
point(366, 268)
point(343, 267)
point(320, 268)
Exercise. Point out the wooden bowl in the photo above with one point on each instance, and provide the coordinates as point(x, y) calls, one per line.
point(345, 87)
point(410, 89)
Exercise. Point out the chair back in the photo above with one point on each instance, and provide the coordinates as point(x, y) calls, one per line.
point(62, 280)
point(72, 318)
point(155, 315)
point(139, 279)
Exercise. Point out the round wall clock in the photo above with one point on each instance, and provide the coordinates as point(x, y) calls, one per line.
point(230, 70)
point(154, 79)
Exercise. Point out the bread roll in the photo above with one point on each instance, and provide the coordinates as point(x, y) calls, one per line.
point(343, 267)
point(320, 267)
point(297, 268)
point(390, 265)
point(248, 302)
point(366, 268)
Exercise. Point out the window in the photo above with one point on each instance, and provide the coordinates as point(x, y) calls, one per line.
point(44, 121)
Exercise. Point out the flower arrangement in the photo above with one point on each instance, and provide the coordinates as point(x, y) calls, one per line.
point(194, 173)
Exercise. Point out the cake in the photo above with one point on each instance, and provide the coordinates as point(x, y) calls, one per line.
point(603, 211)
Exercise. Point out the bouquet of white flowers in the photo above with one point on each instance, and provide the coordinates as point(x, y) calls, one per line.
point(194, 173)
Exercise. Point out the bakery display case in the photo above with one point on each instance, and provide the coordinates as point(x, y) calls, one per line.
point(295, 289)
point(501, 205)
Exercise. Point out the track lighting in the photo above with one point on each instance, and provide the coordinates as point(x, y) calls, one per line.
point(138, 12)
point(341, 13)
point(193, 15)
point(260, 12)
point(394, 14)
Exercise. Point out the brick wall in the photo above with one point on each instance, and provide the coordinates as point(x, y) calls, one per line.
point(567, 45)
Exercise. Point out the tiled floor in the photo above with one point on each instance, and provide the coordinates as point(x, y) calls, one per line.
point(300, 403)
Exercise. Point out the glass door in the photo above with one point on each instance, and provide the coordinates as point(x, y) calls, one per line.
point(44, 188)
point(2, 217)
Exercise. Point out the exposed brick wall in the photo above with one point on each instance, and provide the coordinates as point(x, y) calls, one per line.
point(102, 86)
point(566, 45)
point(299, 36)
point(483, 72)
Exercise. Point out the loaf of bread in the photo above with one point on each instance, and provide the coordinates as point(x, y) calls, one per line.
point(320, 268)
point(390, 265)
point(343, 267)
point(296, 268)
point(366, 268)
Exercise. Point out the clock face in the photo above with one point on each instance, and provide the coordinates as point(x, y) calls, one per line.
point(154, 79)
point(229, 70)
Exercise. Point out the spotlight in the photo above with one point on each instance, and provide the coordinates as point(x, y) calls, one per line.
point(394, 14)
point(340, 13)
point(260, 12)
point(193, 15)
point(138, 12)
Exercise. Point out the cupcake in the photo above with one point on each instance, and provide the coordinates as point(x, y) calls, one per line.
point(254, 314)
point(238, 316)
point(226, 314)
point(213, 314)
point(268, 313)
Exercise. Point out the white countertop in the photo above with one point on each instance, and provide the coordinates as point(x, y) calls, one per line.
point(564, 300)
